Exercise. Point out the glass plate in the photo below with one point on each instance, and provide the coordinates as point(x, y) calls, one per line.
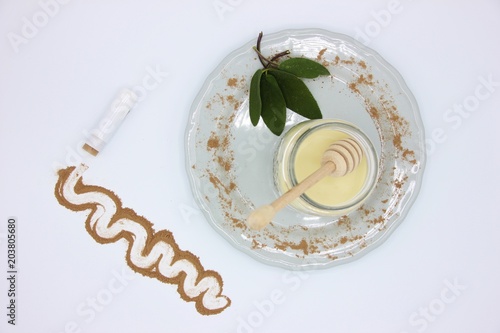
point(230, 162)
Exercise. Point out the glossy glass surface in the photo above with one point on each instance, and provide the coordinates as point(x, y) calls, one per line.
point(230, 162)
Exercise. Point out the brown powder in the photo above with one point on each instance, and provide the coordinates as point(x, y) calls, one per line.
point(224, 198)
point(303, 246)
point(320, 54)
point(235, 83)
point(354, 88)
point(397, 142)
point(407, 153)
point(221, 154)
point(218, 145)
point(373, 112)
point(225, 164)
point(398, 183)
point(216, 182)
point(256, 245)
point(153, 238)
point(366, 211)
point(377, 220)
point(319, 57)
point(367, 80)
point(336, 61)
point(362, 80)
point(236, 222)
point(232, 82)
point(213, 142)
point(344, 220)
point(234, 102)
point(348, 62)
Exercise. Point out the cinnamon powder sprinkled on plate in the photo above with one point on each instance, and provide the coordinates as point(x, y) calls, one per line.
point(350, 227)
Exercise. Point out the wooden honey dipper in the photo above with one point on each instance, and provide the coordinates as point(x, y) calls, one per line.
point(341, 158)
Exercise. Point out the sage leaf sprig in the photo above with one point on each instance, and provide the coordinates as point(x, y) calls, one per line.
point(278, 86)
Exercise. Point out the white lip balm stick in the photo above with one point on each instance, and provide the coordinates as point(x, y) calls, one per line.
point(110, 122)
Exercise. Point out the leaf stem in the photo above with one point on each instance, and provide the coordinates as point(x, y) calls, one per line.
point(279, 55)
point(257, 48)
point(262, 59)
point(266, 63)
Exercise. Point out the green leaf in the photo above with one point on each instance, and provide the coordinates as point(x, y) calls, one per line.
point(297, 96)
point(255, 102)
point(273, 104)
point(303, 67)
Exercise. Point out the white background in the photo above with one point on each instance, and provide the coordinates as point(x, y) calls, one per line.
point(56, 83)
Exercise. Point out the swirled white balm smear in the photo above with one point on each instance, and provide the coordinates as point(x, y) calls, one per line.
point(153, 254)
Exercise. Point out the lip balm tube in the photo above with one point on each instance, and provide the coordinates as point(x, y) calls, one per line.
point(110, 122)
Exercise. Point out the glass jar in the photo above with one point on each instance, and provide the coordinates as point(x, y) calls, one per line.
point(299, 154)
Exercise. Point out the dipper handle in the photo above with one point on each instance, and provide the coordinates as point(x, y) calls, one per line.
point(339, 159)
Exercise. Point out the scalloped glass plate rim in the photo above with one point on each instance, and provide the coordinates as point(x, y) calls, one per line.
point(301, 33)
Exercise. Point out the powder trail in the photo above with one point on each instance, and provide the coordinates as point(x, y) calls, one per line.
point(153, 254)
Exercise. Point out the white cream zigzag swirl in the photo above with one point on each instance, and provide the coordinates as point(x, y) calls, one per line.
point(153, 254)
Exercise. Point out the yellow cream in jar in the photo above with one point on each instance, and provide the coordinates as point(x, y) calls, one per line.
point(330, 191)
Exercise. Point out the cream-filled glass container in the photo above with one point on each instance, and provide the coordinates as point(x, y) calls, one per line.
point(299, 155)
